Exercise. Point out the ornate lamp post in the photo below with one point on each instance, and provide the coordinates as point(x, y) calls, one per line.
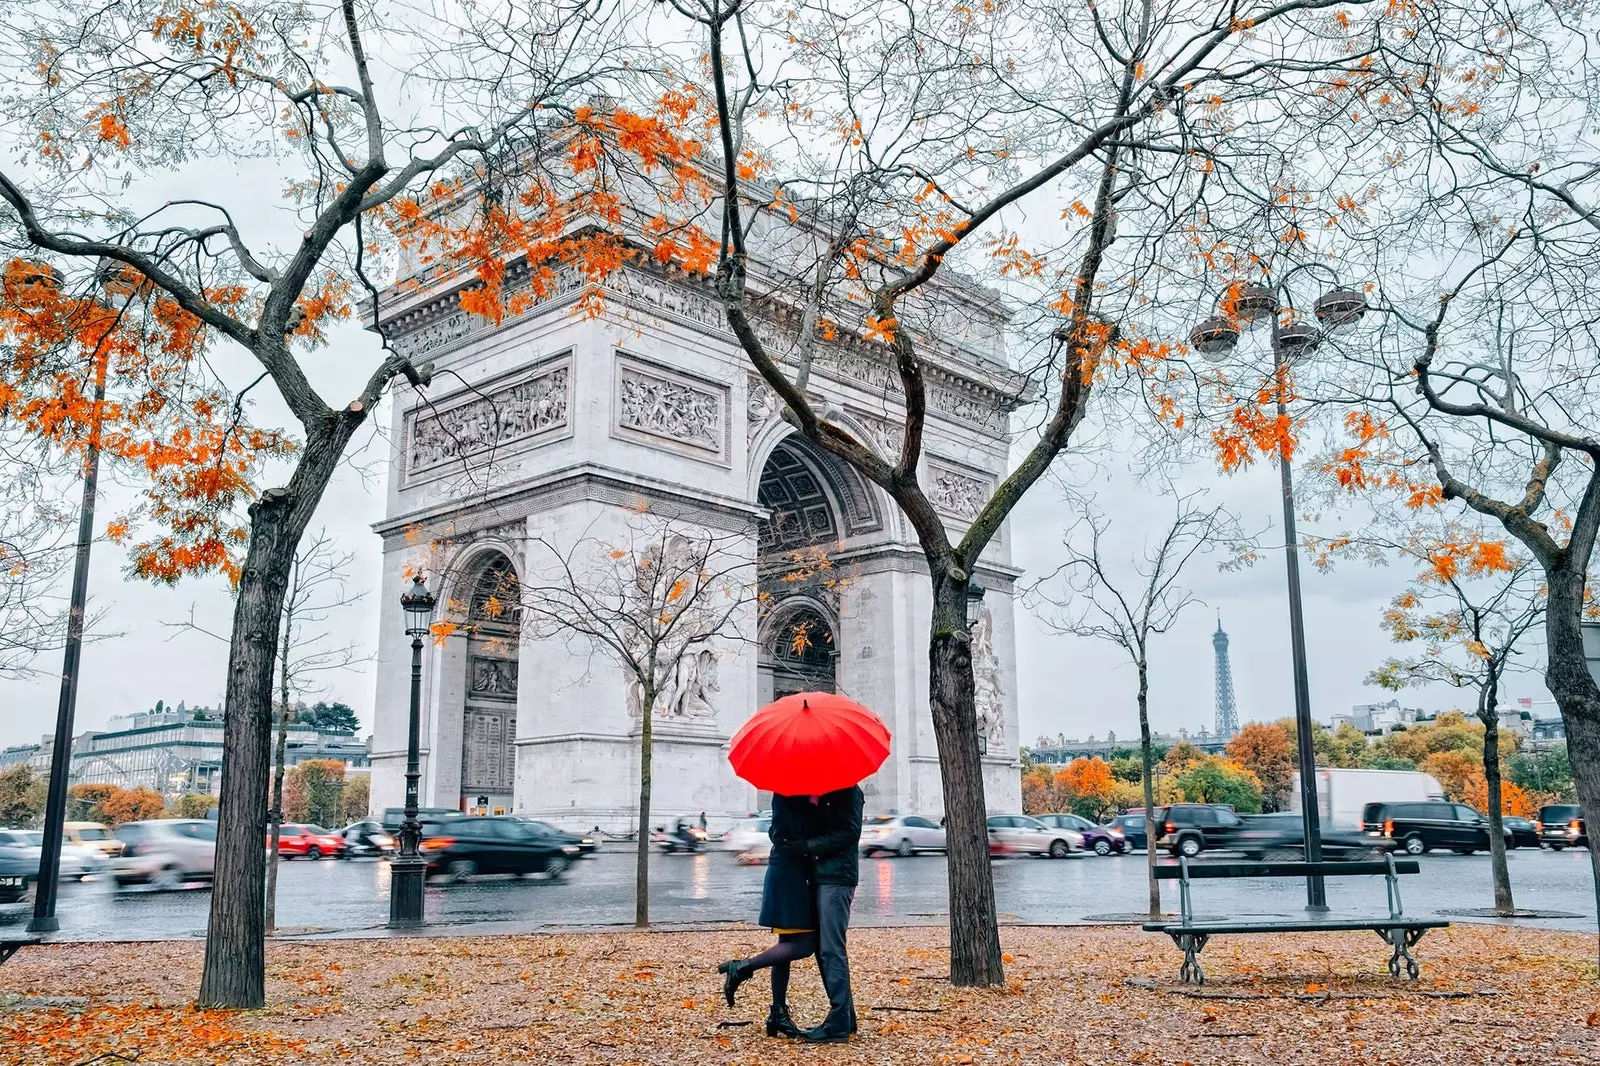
point(1292, 341)
point(975, 591)
point(408, 870)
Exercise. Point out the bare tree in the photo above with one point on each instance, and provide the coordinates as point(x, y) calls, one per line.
point(119, 102)
point(1128, 605)
point(1469, 608)
point(35, 551)
point(912, 136)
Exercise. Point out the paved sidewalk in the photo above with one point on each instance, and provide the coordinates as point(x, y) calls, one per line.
point(1102, 996)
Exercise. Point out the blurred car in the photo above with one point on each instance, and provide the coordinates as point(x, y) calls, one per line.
point(1018, 834)
point(1100, 839)
point(1417, 827)
point(1561, 825)
point(77, 862)
point(1190, 828)
point(18, 872)
point(466, 847)
point(1132, 826)
point(587, 843)
point(166, 854)
point(903, 835)
point(367, 838)
point(309, 842)
point(1283, 836)
point(93, 835)
point(393, 816)
point(748, 840)
point(1524, 834)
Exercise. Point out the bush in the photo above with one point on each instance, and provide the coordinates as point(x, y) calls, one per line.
point(1214, 780)
point(193, 805)
point(22, 796)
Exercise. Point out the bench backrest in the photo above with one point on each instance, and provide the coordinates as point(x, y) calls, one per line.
point(1199, 870)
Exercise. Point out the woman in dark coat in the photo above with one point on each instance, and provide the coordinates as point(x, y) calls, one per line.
point(788, 908)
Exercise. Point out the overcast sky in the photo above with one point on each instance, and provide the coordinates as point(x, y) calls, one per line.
point(1066, 685)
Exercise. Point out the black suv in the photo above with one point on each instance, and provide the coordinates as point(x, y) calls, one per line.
point(1561, 825)
point(1419, 827)
point(465, 847)
point(1190, 828)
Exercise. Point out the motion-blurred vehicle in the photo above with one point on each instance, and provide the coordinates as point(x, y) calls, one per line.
point(586, 843)
point(19, 869)
point(903, 835)
point(393, 816)
point(1343, 793)
point(93, 835)
point(166, 854)
point(308, 842)
point(1189, 828)
point(748, 840)
point(78, 863)
point(1018, 834)
point(1524, 834)
point(1100, 839)
point(1283, 837)
point(1420, 827)
point(684, 837)
point(1561, 825)
point(367, 839)
point(1132, 826)
point(463, 848)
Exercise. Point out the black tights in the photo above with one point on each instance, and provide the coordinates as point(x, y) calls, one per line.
point(791, 947)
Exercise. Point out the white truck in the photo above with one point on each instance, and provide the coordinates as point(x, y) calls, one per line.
point(1342, 793)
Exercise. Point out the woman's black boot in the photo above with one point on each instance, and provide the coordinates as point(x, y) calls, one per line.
point(734, 973)
point(780, 1024)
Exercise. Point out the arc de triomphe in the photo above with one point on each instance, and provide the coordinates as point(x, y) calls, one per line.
point(554, 425)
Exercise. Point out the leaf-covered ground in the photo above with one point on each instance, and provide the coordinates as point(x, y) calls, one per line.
point(1104, 995)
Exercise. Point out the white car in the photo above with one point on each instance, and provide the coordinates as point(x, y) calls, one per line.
point(1017, 834)
point(77, 862)
point(166, 854)
point(903, 835)
point(748, 840)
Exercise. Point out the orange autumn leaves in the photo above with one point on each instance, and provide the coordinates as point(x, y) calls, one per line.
point(196, 454)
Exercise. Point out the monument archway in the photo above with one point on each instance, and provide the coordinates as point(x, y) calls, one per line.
point(489, 706)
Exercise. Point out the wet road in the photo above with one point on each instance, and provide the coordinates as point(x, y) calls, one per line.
point(328, 897)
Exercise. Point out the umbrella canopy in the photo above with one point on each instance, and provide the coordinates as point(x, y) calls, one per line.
point(809, 743)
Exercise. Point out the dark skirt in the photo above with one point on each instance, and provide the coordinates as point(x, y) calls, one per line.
point(788, 900)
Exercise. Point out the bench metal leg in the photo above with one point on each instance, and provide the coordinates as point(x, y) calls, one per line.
point(1402, 940)
point(1192, 944)
point(8, 949)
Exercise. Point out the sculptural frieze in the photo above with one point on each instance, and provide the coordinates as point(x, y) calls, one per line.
point(526, 409)
point(670, 408)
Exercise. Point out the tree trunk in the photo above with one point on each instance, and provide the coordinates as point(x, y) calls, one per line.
point(1569, 681)
point(641, 877)
point(275, 815)
point(235, 958)
point(974, 928)
point(1148, 759)
point(1487, 700)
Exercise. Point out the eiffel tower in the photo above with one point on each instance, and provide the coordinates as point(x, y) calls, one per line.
point(1227, 709)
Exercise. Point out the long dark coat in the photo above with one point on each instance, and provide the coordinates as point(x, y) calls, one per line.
point(788, 897)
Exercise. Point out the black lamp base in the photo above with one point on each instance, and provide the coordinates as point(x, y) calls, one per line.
point(406, 878)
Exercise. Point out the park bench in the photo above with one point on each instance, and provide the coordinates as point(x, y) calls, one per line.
point(10, 945)
point(1396, 930)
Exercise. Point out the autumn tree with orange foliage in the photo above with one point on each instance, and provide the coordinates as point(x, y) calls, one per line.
point(1268, 752)
point(134, 117)
point(1088, 787)
point(1469, 608)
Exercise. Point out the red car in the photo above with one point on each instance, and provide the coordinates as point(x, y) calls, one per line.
point(309, 841)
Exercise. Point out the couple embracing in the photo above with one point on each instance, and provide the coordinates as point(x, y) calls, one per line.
point(810, 886)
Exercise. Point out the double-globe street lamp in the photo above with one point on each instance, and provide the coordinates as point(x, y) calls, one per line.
point(408, 871)
point(1292, 341)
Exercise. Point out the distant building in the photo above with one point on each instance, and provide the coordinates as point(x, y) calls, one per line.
point(1061, 749)
point(181, 751)
point(1379, 717)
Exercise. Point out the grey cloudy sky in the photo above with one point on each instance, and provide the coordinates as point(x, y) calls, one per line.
point(1066, 685)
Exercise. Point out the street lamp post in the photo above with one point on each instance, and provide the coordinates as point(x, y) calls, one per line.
point(408, 871)
point(1292, 341)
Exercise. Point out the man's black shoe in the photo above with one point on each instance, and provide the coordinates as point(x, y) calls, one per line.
point(836, 1030)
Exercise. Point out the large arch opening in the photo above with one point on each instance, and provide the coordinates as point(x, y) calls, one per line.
point(489, 712)
point(805, 522)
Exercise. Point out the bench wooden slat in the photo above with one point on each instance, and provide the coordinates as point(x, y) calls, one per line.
point(1205, 870)
point(1335, 925)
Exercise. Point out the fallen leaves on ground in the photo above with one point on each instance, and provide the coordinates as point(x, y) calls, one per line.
point(1487, 995)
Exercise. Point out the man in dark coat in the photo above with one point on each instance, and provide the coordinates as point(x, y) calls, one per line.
point(833, 843)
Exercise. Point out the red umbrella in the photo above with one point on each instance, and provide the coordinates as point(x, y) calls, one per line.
point(809, 743)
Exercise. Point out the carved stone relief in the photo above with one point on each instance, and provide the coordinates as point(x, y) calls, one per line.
point(670, 408)
point(515, 413)
point(990, 693)
point(761, 405)
point(493, 678)
point(956, 494)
